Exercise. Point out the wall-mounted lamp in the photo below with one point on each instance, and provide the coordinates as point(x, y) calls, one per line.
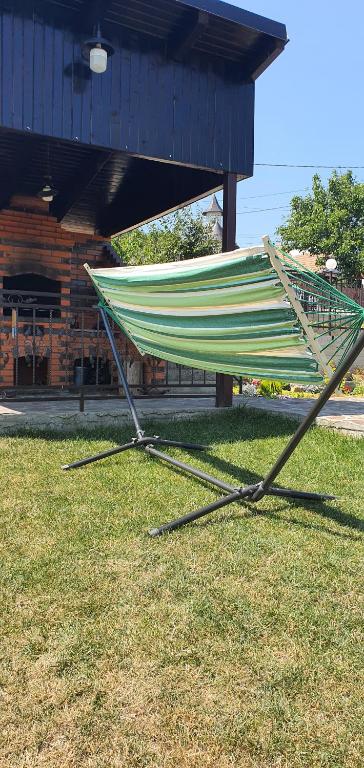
point(96, 52)
point(48, 191)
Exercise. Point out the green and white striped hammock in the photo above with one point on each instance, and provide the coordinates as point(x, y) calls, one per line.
point(253, 312)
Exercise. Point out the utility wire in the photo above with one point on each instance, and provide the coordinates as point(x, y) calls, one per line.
point(275, 194)
point(301, 165)
point(261, 210)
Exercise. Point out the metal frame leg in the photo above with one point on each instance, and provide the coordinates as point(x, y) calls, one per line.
point(236, 496)
point(121, 372)
point(310, 418)
point(100, 456)
point(143, 442)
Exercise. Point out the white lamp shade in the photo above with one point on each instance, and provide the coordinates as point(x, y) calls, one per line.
point(331, 264)
point(47, 194)
point(98, 60)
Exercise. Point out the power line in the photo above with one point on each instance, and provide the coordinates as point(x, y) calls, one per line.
point(301, 165)
point(274, 194)
point(261, 210)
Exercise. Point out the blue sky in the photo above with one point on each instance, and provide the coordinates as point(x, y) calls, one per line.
point(309, 105)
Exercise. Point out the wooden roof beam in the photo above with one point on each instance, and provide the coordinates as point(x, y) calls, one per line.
point(83, 179)
point(265, 58)
point(93, 13)
point(190, 30)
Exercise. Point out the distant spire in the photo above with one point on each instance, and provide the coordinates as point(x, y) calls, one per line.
point(217, 231)
point(215, 214)
point(214, 210)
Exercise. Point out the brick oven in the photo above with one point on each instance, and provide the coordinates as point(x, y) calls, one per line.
point(50, 331)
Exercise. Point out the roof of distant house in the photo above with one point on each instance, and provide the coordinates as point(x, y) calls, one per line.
point(307, 259)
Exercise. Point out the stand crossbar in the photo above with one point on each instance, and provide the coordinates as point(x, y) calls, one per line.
point(252, 493)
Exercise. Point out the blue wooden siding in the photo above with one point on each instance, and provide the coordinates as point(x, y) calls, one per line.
point(192, 113)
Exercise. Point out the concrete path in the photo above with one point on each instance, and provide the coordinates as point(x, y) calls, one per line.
point(343, 414)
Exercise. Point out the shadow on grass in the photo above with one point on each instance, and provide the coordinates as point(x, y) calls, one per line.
point(244, 477)
point(228, 426)
point(241, 424)
point(322, 509)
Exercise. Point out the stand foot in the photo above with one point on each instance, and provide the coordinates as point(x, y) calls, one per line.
point(138, 442)
point(291, 494)
point(100, 456)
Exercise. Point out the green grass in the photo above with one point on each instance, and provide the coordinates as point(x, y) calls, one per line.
point(234, 643)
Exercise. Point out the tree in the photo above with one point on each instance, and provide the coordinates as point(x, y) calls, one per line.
point(329, 221)
point(176, 237)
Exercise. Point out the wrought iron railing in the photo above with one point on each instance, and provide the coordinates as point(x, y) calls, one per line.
point(49, 346)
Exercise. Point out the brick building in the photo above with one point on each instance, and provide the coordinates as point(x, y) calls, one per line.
point(128, 111)
point(49, 325)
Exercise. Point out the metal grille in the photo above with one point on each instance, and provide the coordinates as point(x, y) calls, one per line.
point(47, 347)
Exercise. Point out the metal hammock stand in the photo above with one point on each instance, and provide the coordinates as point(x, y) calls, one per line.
point(251, 493)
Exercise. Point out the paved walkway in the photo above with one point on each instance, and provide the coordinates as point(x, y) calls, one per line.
point(343, 414)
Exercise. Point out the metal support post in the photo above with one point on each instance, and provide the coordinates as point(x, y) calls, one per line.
point(224, 383)
point(121, 372)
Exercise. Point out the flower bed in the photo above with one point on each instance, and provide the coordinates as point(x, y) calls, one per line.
point(353, 386)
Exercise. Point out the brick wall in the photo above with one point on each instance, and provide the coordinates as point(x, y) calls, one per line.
point(32, 241)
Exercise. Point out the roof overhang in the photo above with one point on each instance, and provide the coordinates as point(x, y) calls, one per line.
point(261, 39)
point(211, 27)
point(172, 114)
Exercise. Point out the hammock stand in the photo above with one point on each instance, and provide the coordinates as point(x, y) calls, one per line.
point(294, 284)
point(251, 493)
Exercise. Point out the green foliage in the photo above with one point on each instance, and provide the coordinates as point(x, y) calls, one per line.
point(270, 388)
point(176, 237)
point(302, 395)
point(359, 390)
point(329, 221)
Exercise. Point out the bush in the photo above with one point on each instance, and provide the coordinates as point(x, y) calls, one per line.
point(359, 390)
point(297, 395)
point(270, 388)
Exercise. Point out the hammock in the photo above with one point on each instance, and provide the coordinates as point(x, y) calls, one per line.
point(253, 312)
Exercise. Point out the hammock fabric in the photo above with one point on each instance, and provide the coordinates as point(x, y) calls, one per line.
point(226, 313)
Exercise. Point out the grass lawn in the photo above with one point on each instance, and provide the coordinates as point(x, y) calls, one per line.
point(234, 643)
